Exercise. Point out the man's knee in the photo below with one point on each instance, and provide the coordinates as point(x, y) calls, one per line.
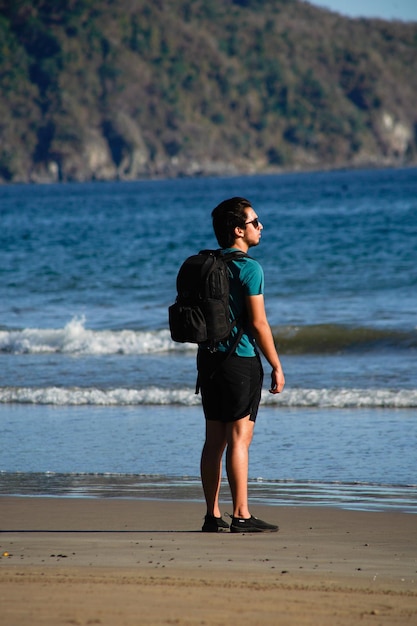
point(240, 431)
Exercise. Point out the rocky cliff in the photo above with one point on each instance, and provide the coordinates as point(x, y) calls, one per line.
point(103, 90)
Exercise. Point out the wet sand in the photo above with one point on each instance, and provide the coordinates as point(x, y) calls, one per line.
point(129, 562)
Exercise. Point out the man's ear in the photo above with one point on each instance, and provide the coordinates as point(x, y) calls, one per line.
point(239, 232)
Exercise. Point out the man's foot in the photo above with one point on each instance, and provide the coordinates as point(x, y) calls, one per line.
point(251, 525)
point(214, 524)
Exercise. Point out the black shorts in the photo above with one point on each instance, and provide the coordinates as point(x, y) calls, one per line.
point(230, 388)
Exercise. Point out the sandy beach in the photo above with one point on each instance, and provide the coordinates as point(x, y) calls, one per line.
point(123, 562)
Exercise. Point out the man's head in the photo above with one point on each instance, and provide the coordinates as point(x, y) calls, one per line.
point(230, 215)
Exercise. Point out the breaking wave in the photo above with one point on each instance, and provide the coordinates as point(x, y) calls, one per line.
point(307, 398)
point(76, 339)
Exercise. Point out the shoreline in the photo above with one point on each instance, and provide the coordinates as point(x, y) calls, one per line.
point(357, 496)
point(107, 561)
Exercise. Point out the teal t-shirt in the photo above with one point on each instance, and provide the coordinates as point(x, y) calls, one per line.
point(246, 279)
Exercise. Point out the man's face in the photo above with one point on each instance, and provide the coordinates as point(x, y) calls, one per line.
point(253, 228)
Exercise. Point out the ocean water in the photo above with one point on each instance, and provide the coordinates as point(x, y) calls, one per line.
point(95, 398)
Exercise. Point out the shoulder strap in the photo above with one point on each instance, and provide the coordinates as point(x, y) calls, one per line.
point(235, 254)
point(227, 256)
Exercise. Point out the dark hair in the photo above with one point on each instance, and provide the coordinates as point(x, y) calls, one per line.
point(228, 215)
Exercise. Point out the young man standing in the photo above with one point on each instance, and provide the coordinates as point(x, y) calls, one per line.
point(231, 387)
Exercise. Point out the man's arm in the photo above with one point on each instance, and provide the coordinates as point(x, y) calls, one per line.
point(263, 335)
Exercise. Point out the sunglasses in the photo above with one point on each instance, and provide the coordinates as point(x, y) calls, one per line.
point(255, 222)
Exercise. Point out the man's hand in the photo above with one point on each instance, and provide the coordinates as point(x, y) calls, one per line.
point(277, 381)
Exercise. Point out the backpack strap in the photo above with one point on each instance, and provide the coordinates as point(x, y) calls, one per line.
point(231, 256)
point(227, 256)
point(228, 354)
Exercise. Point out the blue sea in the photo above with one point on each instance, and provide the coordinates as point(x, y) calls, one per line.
point(95, 398)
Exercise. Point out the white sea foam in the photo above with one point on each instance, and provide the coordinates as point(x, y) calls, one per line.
point(100, 397)
point(344, 398)
point(308, 398)
point(75, 339)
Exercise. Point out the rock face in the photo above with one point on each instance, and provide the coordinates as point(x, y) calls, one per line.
point(397, 135)
point(128, 149)
point(120, 91)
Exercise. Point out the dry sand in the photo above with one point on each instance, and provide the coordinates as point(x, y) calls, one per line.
point(135, 562)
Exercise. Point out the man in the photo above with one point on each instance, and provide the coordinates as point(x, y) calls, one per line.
point(231, 387)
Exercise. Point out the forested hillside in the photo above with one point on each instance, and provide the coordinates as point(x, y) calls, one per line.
point(107, 89)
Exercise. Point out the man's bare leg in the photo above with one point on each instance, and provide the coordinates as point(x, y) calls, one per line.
point(211, 464)
point(239, 437)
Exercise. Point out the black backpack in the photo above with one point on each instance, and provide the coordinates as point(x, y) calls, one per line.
point(201, 313)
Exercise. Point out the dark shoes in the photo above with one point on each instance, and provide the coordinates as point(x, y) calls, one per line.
point(214, 524)
point(239, 525)
point(251, 525)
